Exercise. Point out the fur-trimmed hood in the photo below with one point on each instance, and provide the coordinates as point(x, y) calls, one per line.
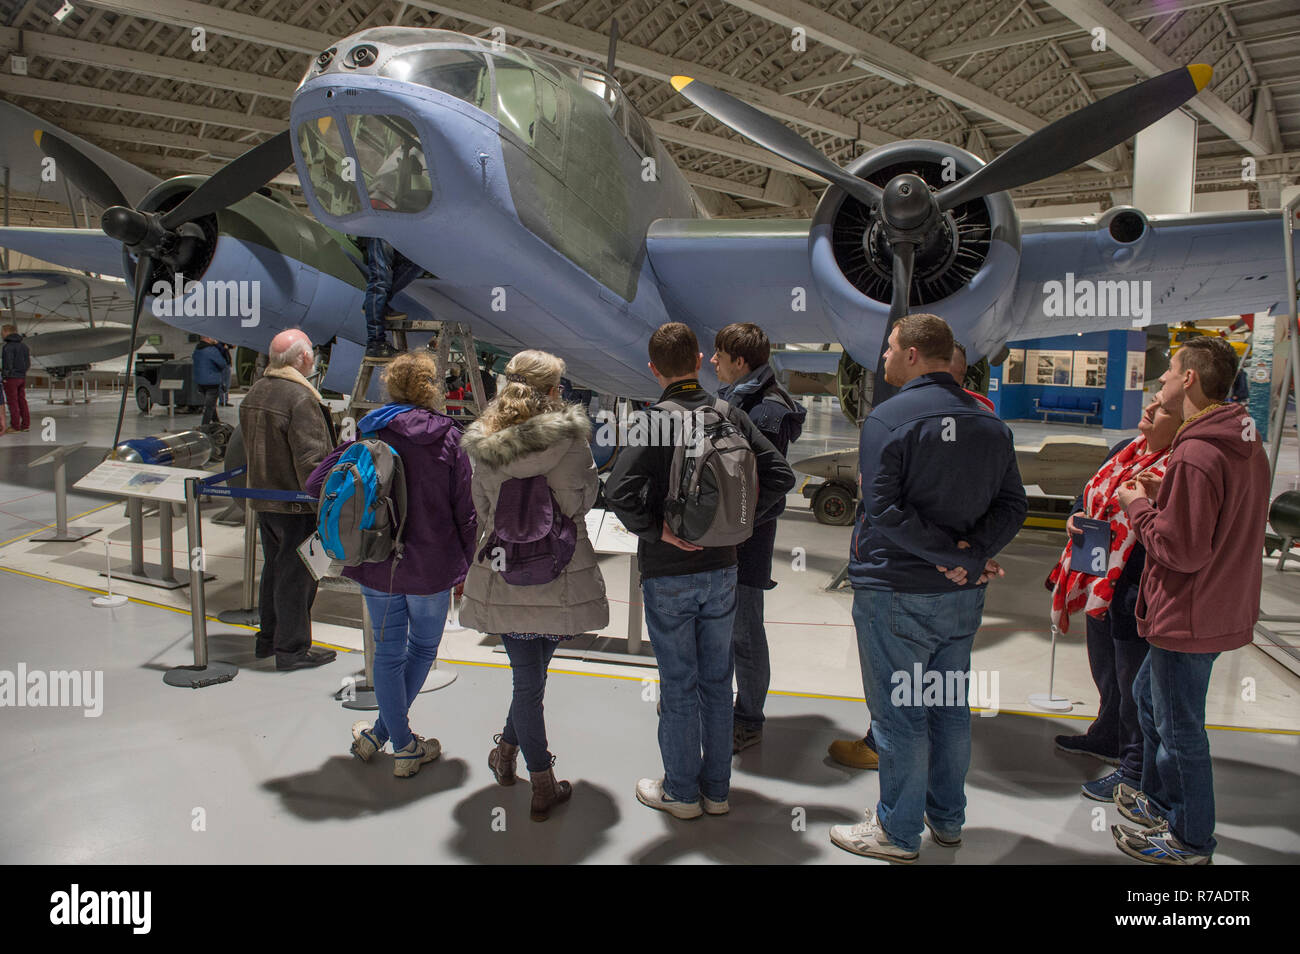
point(530, 447)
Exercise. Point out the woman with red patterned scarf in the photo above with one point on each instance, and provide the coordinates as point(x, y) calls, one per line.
point(1109, 603)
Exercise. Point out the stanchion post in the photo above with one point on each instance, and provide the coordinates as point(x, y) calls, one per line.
point(194, 535)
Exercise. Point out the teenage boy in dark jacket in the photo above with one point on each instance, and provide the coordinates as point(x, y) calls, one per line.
point(689, 592)
point(941, 495)
point(740, 358)
point(1203, 529)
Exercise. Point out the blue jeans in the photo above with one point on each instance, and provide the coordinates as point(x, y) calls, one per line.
point(749, 654)
point(1176, 774)
point(525, 723)
point(389, 272)
point(408, 630)
point(923, 739)
point(689, 619)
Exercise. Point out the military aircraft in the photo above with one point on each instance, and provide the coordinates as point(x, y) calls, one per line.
point(548, 215)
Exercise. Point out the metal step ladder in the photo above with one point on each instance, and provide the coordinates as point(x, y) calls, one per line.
point(449, 337)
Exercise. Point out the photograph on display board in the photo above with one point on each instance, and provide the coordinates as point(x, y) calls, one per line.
point(1137, 361)
point(1090, 369)
point(1050, 367)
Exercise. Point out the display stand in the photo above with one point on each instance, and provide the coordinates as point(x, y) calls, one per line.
point(203, 673)
point(69, 390)
point(139, 482)
point(62, 532)
point(1049, 700)
point(608, 535)
point(110, 600)
point(247, 614)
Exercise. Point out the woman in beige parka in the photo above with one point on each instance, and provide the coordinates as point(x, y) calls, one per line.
point(526, 431)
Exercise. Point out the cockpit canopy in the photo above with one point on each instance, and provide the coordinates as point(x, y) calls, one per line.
point(517, 87)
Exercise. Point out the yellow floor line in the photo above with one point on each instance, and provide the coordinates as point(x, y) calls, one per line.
point(611, 675)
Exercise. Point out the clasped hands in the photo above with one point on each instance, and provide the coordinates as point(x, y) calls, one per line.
point(1145, 486)
point(958, 573)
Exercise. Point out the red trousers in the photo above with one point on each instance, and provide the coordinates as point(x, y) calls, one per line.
point(16, 398)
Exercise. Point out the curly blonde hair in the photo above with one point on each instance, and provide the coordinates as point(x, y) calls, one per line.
point(519, 400)
point(412, 378)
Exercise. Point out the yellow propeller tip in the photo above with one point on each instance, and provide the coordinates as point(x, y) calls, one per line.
point(681, 82)
point(36, 134)
point(1201, 74)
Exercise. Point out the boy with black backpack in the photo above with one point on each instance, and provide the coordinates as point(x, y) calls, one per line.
point(692, 498)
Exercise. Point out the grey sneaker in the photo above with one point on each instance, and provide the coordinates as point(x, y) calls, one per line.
point(364, 743)
point(1156, 846)
point(715, 808)
point(407, 761)
point(742, 737)
point(650, 792)
point(869, 839)
point(1136, 807)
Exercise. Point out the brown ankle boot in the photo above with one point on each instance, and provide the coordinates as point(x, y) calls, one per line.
point(547, 793)
point(502, 761)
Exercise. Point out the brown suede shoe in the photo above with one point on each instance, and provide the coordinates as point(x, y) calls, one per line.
point(547, 793)
point(501, 761)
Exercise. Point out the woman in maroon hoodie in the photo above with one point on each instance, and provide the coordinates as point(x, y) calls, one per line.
point(1203, 529)
point(408, 600)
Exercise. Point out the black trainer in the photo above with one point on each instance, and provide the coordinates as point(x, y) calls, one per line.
point(308, 660)
point(1082, 745)
point(381, 349)
point(263, 648)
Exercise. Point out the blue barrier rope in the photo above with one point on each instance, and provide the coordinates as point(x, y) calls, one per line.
point(209, 486)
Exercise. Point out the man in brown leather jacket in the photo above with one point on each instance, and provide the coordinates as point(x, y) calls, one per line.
point(287, 432)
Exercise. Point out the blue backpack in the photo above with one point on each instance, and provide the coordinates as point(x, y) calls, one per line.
point(363, 504)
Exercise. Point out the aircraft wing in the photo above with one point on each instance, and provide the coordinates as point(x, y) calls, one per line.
point(1198, 265)
point(713, 272)
point(29, 173)
point(60, 294)
point(86, 249)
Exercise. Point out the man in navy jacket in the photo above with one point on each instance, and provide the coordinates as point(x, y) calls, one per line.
point(941, 496)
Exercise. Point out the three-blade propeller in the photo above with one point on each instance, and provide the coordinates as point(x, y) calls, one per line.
point(164, 237)
point(908, 212)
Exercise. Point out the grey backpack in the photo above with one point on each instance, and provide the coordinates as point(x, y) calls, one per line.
point(713, 480)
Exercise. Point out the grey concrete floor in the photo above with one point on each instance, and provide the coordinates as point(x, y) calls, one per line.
point(258, 770)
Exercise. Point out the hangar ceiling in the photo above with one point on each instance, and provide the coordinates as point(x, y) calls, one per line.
point(846, 74)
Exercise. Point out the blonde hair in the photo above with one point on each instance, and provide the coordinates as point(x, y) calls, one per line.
point(519, 400)
point(412, 378)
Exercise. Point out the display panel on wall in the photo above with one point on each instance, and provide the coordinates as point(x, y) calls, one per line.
point(1090, 369)
point(1048, 367)
point(1137, 362)
point(1013, 372)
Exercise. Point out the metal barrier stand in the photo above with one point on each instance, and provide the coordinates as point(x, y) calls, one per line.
point(202, 673)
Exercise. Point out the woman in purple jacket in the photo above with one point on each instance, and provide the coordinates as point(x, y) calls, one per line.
point(408, 600)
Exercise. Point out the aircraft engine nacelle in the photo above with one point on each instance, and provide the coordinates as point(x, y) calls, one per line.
point(965, 270)
point(193, 259)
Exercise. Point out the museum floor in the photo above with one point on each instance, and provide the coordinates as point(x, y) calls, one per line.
point(265, 756)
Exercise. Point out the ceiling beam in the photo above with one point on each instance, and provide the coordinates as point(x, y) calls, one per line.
point(1052, 31)
point(241, 26)
point(151, 106)
point(830, 30)
point(62, 49)
point(114, 132)
point(725, 186)
point(1128, 42)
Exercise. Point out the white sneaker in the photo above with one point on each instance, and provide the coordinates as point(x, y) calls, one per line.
point(407, 761)
point(364, 743)
point(650, 792)
point(869, 839)
point(715, 808)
